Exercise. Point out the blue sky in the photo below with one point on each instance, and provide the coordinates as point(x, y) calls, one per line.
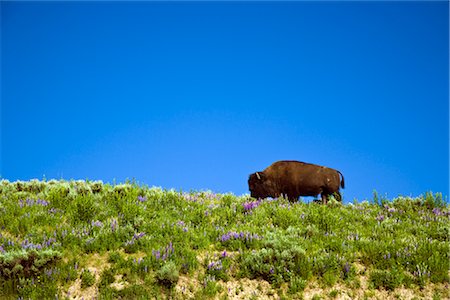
point(198, 95)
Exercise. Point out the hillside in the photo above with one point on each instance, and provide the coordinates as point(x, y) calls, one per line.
point(84, 240)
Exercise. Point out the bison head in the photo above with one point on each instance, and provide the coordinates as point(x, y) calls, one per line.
point(260, 186)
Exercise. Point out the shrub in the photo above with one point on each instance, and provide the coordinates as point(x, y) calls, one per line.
point(277, 261)
point(84, 209)
point(87, 279)
point(388, 279)
point(168, 274)
point(431, 200)
point(23, 263)
point(296, 285)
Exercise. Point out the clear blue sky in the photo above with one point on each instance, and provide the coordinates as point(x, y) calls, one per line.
point(199, 95)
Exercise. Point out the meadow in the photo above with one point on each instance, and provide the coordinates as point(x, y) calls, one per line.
point(90, 240)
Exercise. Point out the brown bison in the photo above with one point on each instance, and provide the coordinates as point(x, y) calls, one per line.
point(293, 179)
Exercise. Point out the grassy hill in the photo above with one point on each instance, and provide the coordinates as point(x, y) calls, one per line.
point(77, 239)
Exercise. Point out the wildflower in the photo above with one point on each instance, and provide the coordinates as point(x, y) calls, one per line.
point(224, 253)
point(49, 242)
point(156, 254)
point(96, 224)
point(41, 202)
point(437, 211)
point(135, 237)
point(138, 235)
point(165, 253)
point(113, 225)
point(32, 202)
point(182, 225)
point(239, 236)
point(380, 218)
point(142, 199)
point(248, 206)
point(215, 266)
point(346, 268)
point(49, 272)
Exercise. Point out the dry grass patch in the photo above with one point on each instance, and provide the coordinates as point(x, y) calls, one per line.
point(95, 263)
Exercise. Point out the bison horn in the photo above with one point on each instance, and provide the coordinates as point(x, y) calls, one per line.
point(257, 175)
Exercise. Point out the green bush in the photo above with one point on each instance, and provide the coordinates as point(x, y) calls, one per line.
point(23, 263)
point(388, 279)
point(168, 274)
point(279, 259)
point(84, 209)
point(87, 279)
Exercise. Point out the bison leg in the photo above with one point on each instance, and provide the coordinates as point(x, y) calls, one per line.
point(324, 198)
point(292, 198)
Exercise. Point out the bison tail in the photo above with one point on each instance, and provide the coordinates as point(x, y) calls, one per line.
point(342, 181)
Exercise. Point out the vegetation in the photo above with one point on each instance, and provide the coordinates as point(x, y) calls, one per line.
point(66, 239)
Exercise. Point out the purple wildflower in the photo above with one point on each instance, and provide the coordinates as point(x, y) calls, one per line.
point(138, 235)
point(239, 236)
point(437, 211)
point(142, 198)
point(135, 238)
point(346, 268)
point(215, 266)
point(380, 218)
point(248, 206)
point(156, 254)
point(164, 253)
point(113, 225)
point(49, 272)
point(32, 202)
point(96, 224)
point(224, 253)
point(182, 225)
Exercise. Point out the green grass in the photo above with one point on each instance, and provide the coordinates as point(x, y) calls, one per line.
point(143, 241)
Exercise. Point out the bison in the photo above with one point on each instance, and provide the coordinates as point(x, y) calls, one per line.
point(293, 179)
